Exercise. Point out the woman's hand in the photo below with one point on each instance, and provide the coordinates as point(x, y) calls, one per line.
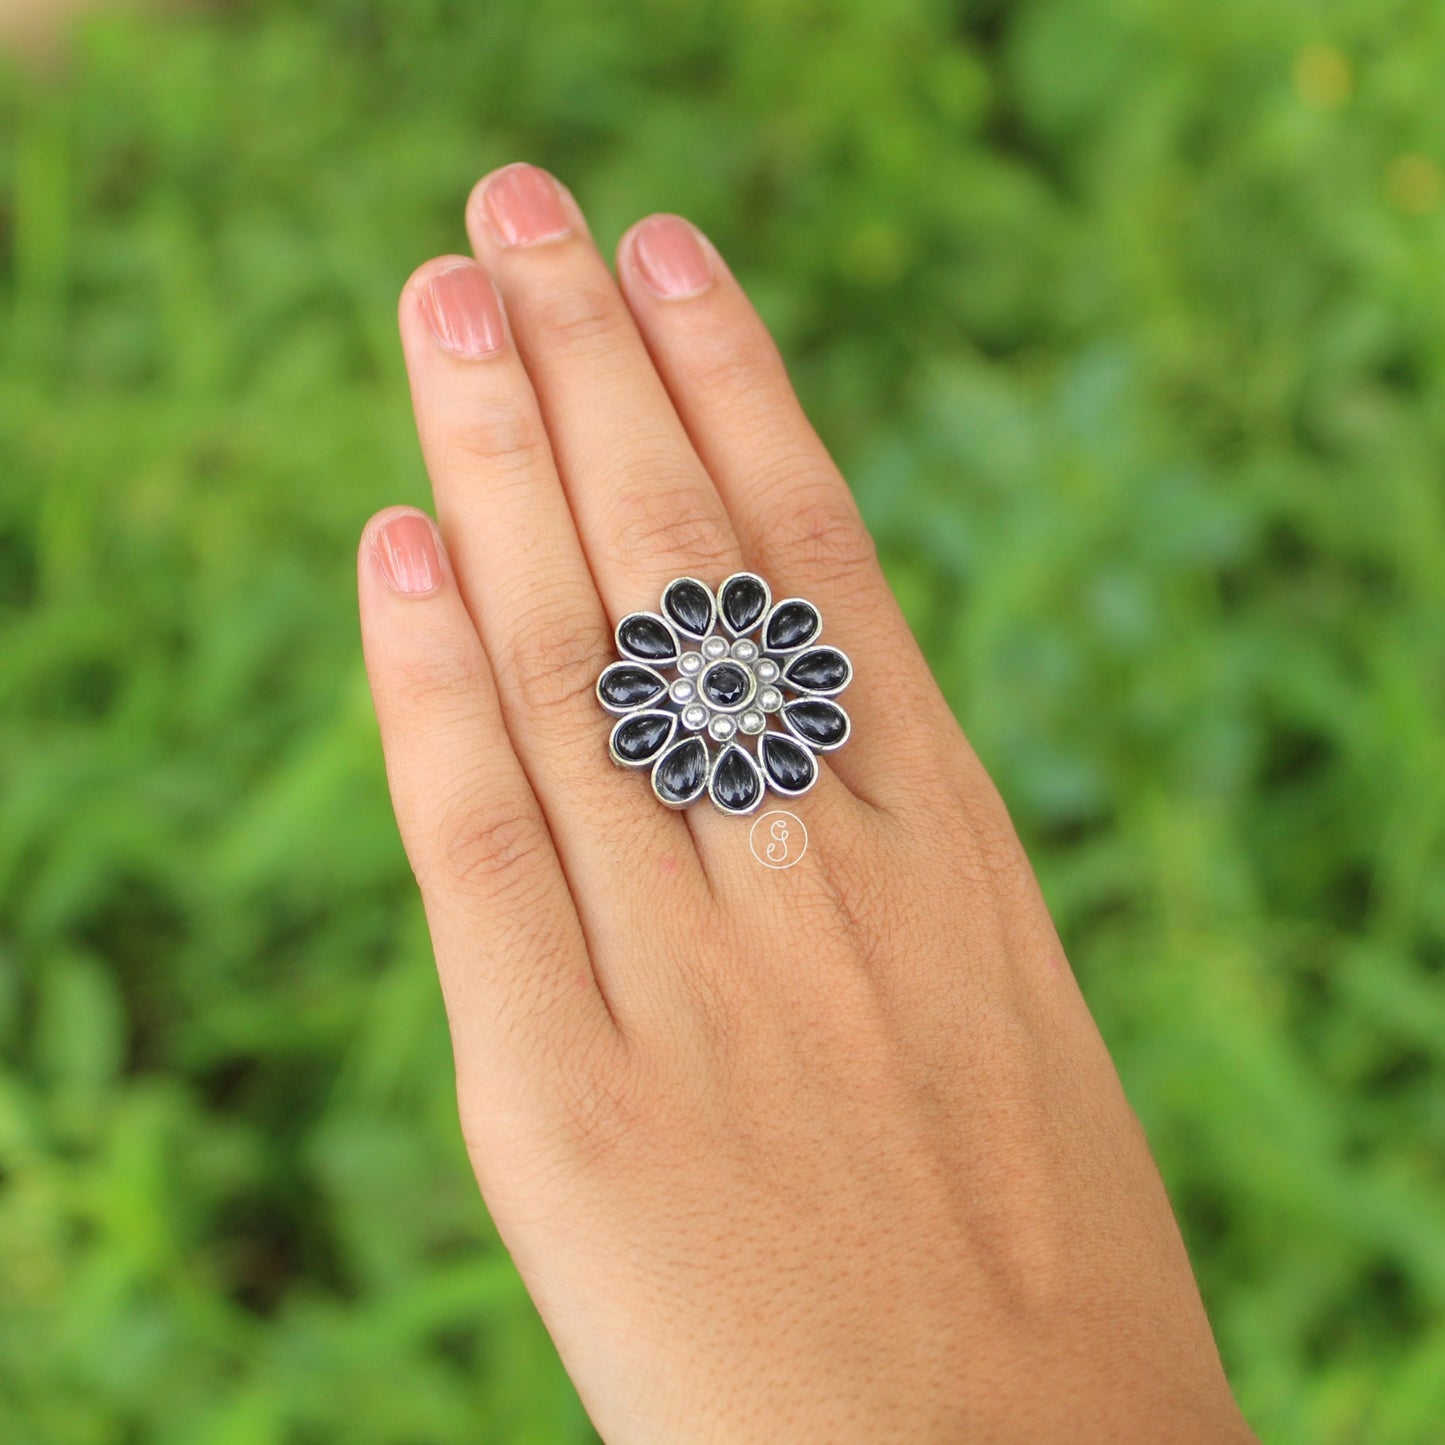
point(825, 1153)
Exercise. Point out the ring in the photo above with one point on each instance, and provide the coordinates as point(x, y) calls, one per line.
point(725, 693)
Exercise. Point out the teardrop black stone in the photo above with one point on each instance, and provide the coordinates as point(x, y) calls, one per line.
point(627, 684)
point(820, 669)
point(689, 604)
point(793, 624)
point(642, 636)
point(637, 738)
point(724, 684)
point(735, 781)
point(789, 765)
point(743, 599)
point(817, 721)
point(681, 772)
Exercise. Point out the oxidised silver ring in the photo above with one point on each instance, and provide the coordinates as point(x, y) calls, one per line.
point(725, 693)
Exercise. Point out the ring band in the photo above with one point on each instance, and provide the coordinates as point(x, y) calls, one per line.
point(725, 693)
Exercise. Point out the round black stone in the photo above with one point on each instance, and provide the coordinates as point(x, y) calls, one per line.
point(626, 684)
point(636, 739)
point(689, 604)
point(743, 599)
point(820, 669)
point(645, 637)
point(788, 764)
point(725, 684)
point(681, 772)
point(735, 780)
point(793, 624)
point(816, 720)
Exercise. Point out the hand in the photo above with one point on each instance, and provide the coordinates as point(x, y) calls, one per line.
point(825, 1153)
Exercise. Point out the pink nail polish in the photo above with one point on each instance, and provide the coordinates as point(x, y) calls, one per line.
point(525, 206)
point(461, 307)
point(670, 257)
point(406, 549)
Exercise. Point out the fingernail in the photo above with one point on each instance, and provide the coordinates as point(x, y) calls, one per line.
point(525, 206)
point(670, 257)
point(406, 548)
point(462, 310)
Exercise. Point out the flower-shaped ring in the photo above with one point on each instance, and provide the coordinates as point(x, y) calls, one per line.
point(725, 693)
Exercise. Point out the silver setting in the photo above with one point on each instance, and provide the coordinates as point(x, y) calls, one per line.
point(678, 625)
point(626, 664)
point(721, 766)
point(781, 789)
point(805, 691)
point(802, 737)
point(722, 617)
point(653, 753)
point(810, 641)
point(664, 757)
point(696, 744)
point(732, 665)
point(632, 656)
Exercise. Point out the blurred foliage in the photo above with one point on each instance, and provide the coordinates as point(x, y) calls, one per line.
point(1124, 316)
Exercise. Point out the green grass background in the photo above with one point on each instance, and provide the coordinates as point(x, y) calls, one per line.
point(1126, 319)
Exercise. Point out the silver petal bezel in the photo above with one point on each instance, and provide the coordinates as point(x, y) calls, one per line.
point(677, 627)
point(802, 689)
point(632, 716)
point(627, 655)
point(768, 780)
point(615, 709)
point(794, 733)
point(678, 741)
point(722, 615)
point(789, 652)
point(752, 762)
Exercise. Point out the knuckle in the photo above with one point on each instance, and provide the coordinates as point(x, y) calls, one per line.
point(738, 371)
point(487, 840)
point(979, 834)
point(554, 662)
point(440, 682)
point(501, 435)
point(672, 522)
point(820, 530)
point(579, 316)
point(609, 1106)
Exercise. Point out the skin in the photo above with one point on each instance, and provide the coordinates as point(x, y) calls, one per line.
point(827, 1153)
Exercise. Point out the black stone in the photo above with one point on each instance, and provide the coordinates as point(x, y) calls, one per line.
point(743, 601)
point(736, 783)
point(817, 721)
point(681, 772)
point(819, 669)
point(690, 606)
point(788, 764)
point(628, 684)
point(793, 624)
point(645, 637)
point(637, 738)
point(725, 684)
